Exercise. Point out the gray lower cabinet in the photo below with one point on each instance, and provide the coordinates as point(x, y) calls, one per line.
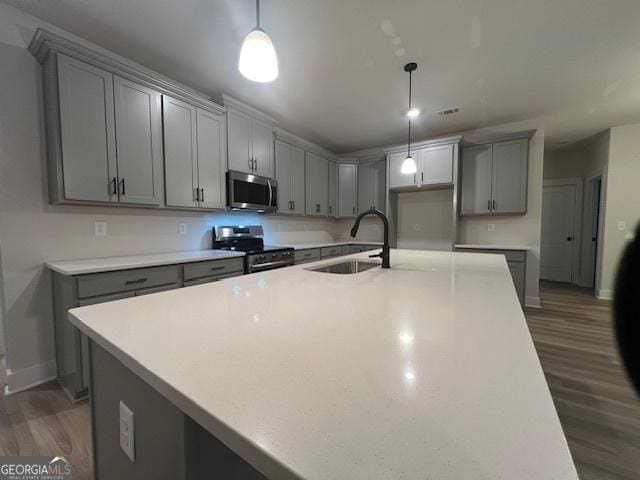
point(89, 289)
point(314, 254)
point(371, 186)
point(104, 135)
point(517, 263)
point(307, 255)
point(329, 252)
point(494, 178)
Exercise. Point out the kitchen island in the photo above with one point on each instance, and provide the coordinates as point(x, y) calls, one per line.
point(426, 370)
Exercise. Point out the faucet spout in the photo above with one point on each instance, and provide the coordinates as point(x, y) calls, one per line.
point(385, 247)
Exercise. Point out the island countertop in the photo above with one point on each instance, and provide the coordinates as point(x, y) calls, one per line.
point(426, 370)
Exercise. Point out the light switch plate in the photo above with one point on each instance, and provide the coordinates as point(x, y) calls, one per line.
point(100, 229)
point(621, 225)
point(182, 228)
point(127, 432)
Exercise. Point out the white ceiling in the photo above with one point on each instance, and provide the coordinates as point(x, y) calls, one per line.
point(576, 63)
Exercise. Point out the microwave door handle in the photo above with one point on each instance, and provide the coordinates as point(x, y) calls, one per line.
point(270, 192)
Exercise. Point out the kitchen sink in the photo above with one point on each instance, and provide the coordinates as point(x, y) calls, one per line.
point(346, 267)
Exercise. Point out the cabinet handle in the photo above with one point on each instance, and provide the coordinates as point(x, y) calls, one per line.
point(354, 210)
point(330, 208)
point(251, 164)
point(114, 183)
point(489, 205)
point(317, 207)
point(222, 267)
point(495, 205)
point(123, 189)
point(414, 178)
point(421, 177)
point(255, 165)
point(293, 202)
point(196, 195)
point(202, 194)
point(134, 282)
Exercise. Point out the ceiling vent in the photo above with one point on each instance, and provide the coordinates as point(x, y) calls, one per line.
point(448, 111)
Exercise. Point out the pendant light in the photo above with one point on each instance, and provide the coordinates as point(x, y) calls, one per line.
point(258, 60)
point(409, 166)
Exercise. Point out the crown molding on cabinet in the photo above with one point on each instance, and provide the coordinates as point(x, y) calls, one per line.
point(44, 42)
point(498, 137)
point(229, 101)
point(304, 144)
point(434, 142)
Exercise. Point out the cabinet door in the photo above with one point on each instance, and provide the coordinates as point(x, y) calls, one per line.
point(210, 156)
point(322, 175)
point(379, 185)
point(180, 150)
point(510, 176)
point(365, 187)
point(138, 142)
point(517, 270)
point(396, 178)
point(332, 199)
point(283, 176)
point(87, 131)
point(436, 165)
point(347, 190)
point(262, 148)
point(476, 180)
point(311, 184)
point(296, 168)
point(239, 142)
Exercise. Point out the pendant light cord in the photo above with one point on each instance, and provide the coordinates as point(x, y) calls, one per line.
point(258, 13)
point(409, 135)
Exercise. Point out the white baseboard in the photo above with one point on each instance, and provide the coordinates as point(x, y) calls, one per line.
point(26, 378)
point(604, 294)
point(533, 302)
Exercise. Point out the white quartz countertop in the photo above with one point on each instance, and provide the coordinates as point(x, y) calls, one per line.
point(108, 264)
point(320, 244)
point(491, 246)
point(422, 371)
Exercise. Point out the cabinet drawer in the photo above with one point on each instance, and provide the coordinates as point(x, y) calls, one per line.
point(212, 267)
point(356, 248)
point(328, 252)
point(162, 288)
point(345, 250)
point(200, 281)
point(96, 284)
point(308, 255)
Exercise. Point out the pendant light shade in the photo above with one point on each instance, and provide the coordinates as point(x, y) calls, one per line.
point(409, 165)
point(258, 60)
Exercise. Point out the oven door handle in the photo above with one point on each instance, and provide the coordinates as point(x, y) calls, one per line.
point(270, 192)
point(262, 266)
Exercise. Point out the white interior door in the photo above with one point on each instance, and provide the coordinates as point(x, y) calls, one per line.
point(558, 236)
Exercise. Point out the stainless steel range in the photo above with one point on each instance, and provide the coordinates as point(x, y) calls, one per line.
point(249, 239)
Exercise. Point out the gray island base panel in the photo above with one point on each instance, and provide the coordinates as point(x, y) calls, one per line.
point(424, 370)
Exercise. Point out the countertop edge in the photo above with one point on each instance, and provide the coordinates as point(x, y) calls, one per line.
point(491, 246)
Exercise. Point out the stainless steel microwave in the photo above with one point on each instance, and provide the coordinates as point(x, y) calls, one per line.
point(251, 192)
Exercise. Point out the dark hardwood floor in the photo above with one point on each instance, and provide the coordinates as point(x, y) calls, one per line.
point(599, 411)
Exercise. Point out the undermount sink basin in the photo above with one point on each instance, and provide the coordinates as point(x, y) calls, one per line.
point(346, 267)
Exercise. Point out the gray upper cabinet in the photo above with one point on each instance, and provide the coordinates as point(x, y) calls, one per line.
point(347, 189)
point(509, 180)
point(397, 179)
point(250, 144)
point(194, 156)
point(371, 186)
point(494, 178)
point(180, 150)
point(476, 172)
point(291, 179)
point(317, 184)
point(87, 133)
point(138, 142)
point(211, 159)
point(435, 165)
point(332, 202)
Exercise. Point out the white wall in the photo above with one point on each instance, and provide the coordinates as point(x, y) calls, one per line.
point(425, 220)
point(622, 203)
point(514, 229)
point(33, 231)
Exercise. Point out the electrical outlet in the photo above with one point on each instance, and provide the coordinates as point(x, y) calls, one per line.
point(416, 227)
point(127, 433)
point(491, 227)
point(100, 229)
point(621, 225)
point(182, 228)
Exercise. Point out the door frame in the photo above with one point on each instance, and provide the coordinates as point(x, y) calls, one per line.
point(589, 271)
point(577, 182)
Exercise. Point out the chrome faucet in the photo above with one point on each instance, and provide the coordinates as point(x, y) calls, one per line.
point(385, 247)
